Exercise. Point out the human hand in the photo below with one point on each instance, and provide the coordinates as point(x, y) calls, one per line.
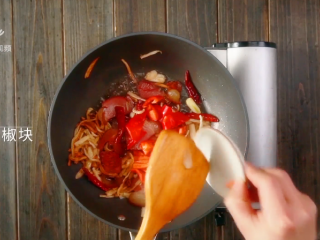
point(286, 213)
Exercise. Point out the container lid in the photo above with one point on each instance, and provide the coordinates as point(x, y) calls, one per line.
point(245, 44)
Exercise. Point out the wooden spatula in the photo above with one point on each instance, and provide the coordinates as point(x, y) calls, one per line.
point(175, 177)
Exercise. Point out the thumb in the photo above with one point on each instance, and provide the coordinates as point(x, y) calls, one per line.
point(239, 205)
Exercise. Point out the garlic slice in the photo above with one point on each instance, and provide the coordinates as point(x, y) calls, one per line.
point(192, 105)
point(154, 76)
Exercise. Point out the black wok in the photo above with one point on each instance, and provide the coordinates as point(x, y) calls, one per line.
point(76, 94)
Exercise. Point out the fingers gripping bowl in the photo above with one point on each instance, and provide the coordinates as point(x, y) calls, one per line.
point(77, 94)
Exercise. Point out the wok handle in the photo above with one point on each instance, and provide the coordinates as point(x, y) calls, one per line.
point(133, 236)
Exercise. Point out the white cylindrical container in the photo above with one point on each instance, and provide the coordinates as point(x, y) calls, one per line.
point(254, 67)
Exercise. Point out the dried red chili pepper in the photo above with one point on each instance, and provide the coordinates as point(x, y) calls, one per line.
point(110, 162)
point(206, 116)
point(121, 119)
point(92, 178)
point(89, 125)
point(192, 91)
point(109, 136)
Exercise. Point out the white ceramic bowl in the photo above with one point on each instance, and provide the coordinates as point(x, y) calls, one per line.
point(226, 160)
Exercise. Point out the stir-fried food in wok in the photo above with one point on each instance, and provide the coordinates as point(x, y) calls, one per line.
point(114, 143)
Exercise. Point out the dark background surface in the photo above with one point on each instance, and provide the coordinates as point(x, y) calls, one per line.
point(48, 37)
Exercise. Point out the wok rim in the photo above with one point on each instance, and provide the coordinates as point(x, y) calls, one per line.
point(84, 56)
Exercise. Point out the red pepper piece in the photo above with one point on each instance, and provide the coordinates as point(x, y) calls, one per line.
point(152, 100)
point(135, 129)
point(162, 111)
point(153, 113)
point(206, 116)
point(110, 162)
point(173, 120)
point(167, 110)
point(137, 153)
point(147, 146)
point(109, 136)
point(159, 110)
point(193, 92)
point(92, 178)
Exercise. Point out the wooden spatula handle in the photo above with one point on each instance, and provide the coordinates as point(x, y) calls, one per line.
point(174, 161)
point(149, 228)
point(133, 236)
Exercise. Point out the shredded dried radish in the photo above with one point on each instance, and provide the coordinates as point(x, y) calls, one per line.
point(201, 122)
point(192, 121)
point(106, 196)
point(90, 68)
point(162, 85)
point(150, 54)
point(129, 71)
point(82, 141)
point(138, 111)
point(192, 129)
point(132, 94)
